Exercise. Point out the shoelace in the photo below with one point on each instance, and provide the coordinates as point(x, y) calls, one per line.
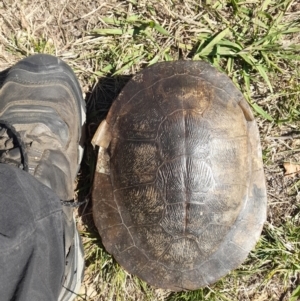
point(12, 151)
point(10, 142)
point(73, 204)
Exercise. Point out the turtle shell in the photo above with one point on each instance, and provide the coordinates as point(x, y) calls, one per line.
point(179, 194)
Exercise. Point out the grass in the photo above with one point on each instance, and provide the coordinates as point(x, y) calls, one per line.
point(255, 42)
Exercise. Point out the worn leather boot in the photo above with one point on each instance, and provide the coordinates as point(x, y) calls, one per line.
point(42, 117)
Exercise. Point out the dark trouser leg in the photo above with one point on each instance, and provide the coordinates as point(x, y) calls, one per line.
point(31, 238)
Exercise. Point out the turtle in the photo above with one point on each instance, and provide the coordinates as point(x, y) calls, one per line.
point(179, 194)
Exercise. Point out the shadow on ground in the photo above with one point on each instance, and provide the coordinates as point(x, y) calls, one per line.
point(3, 75)
point(99, 101)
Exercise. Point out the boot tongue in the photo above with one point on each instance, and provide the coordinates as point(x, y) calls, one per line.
point(12, 149)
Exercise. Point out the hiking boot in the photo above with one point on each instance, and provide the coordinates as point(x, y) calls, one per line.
point(42, 116)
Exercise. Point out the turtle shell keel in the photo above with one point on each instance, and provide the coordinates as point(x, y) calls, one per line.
point(179, 194)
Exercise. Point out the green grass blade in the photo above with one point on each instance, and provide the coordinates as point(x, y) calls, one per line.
point(209, 47)
point(264, 75)
point(265, 4)
point(112, 31)
point(296, 294)
point(161, 30)
point(261, 111)
point(111, 21)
